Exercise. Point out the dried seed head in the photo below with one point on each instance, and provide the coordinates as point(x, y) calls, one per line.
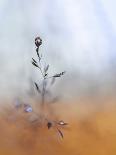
point(38, 41)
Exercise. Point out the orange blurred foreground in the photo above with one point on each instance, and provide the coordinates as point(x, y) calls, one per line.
point(91, 131)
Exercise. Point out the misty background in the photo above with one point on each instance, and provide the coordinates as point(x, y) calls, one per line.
point(79, 36)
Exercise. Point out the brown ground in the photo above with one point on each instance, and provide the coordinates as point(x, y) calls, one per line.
point(91, 131)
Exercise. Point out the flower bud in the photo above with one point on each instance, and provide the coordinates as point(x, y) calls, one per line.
point(38, 41)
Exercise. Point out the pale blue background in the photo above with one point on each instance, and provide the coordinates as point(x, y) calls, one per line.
point(79, 36)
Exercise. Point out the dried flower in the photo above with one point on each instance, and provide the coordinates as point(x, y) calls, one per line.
point(38, 41)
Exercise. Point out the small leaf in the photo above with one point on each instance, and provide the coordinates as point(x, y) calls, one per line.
point(46, 74)
point(37, 87)
point(56, 75)
point(61, 134)
point(46, 68)
point(62, 73)
point(59, 75)
point(35, 64)
point(34, 60)
point(53, 80)
point(49, 125)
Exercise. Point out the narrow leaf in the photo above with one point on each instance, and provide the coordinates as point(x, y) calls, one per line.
point(37, 87)
point(49, 125)
point(53, 80)
point(59, 75)
point(34, 60)
point(46, 74)
point(61, 134)
point(46, 68)
point(56, 75)
point(35, 64)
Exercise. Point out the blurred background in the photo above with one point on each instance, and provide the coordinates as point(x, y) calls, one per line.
point(78, 36)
